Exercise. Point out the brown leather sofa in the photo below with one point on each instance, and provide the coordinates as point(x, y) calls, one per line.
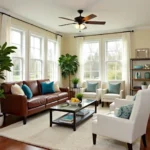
point(21, 106)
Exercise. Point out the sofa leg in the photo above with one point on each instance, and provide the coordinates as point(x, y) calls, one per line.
point(94, 138)
point(102, 104)
point(129, 146)
point(24, 120)
point(144, 140)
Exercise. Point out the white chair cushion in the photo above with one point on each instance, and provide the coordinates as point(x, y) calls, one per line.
point(89, 94)
point(111, 96)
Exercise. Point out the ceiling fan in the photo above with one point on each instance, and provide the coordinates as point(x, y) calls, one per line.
point(81, 21)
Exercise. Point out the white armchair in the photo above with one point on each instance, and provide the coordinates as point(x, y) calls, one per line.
point(125, 130)
point(91, 95)
point(110, 97)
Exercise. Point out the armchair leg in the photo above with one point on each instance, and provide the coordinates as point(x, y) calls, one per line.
point(129, 146)
point(144, 140)
point(24, 120)
point(102, 104)
point(94, 138)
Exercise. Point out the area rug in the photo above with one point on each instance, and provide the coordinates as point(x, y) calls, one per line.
point(38, 132)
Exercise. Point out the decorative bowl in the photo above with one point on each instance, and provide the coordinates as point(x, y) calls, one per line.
point(138, 67)
point(74, 103)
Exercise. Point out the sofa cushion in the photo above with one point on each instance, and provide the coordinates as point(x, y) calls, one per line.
point(89, 95)
point(33, 86)
point(27, 91)
point(39, 84)
point(51, 98)
point(17, 90)
point(7, 86)
point(61, 95)
point(36, 101)
point(47, 87)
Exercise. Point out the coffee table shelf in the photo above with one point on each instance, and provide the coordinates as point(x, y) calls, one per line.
point(77, 119)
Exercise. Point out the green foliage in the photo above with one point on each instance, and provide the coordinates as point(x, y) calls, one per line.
point(79, 96)
point(5, 61)
point(75, 80)
point(69, 65)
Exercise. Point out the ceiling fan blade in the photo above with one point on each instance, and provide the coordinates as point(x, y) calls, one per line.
point(89, 17)
point(96, 22)
point(66, 18)
point(67, 24)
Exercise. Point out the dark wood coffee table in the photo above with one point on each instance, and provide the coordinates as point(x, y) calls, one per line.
point(73, 109)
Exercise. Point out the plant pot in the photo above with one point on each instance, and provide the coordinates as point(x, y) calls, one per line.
point(75, 85)
point(144, 87)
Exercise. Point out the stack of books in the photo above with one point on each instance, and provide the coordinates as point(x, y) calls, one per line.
point(67, 119)
point(82, 112)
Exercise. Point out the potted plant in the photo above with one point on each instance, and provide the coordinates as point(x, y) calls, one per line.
point(144, 85)
point(79, 96)
point(5, 65)
point(69, 65)
point(75, 82)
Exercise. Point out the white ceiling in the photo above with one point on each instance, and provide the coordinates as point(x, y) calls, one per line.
point(118, 14)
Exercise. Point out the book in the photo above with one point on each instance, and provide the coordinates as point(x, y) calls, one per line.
point(82, 112)
point(68, 118)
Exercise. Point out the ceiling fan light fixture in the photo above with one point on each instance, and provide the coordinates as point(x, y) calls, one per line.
point(79, 26)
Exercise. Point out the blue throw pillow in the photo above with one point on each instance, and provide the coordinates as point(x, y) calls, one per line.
point(27, 91)
point(124, 111)
point(91, 87)
point(114, 88)
point(47, 87)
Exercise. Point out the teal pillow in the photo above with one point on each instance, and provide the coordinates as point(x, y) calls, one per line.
point(91, 87)
point(124, 111)
point(47, 87)
point(27, 91)
point(114, 88)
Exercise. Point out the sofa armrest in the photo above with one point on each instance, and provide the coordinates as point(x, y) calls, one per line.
point(64, 89)
point(14, 104)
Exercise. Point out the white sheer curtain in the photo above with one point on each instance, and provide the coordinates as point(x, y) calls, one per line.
point(5, 35)
point(58, 48)
point(126, 60)
point(79, 42)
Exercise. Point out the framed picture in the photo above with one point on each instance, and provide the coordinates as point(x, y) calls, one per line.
point(142, 53)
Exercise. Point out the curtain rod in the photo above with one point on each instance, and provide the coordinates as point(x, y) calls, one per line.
point(103, 34)
point(29, 23)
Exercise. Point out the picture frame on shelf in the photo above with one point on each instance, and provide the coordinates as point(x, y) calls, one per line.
point(142, 53)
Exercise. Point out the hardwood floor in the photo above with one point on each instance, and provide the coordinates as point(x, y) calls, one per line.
point(9, 144)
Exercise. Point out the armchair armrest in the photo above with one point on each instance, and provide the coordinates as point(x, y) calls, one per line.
point(98, 94)
point(82, 90)
point(14, 104)
point(113, 127)
point(121, 93)
point(103, 91)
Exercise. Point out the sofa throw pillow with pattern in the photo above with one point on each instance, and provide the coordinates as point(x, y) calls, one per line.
point(27, 91)
point(114, 88)
point(47, 87)
point(124, 111)
point(91, 86)
point(17, 90)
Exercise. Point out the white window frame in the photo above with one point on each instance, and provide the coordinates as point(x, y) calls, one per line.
point(111, 61)
point(54, 62)
point(88, 42)
point(35, 59)
point(22, 57)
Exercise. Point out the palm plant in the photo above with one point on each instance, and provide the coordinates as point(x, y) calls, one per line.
point(5, 61)
point(69, 65)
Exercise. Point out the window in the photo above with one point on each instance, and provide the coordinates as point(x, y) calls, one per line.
point(52, 61)
point(36, 62)
point(113, 59)
point(91, 60)
point(17, 57)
